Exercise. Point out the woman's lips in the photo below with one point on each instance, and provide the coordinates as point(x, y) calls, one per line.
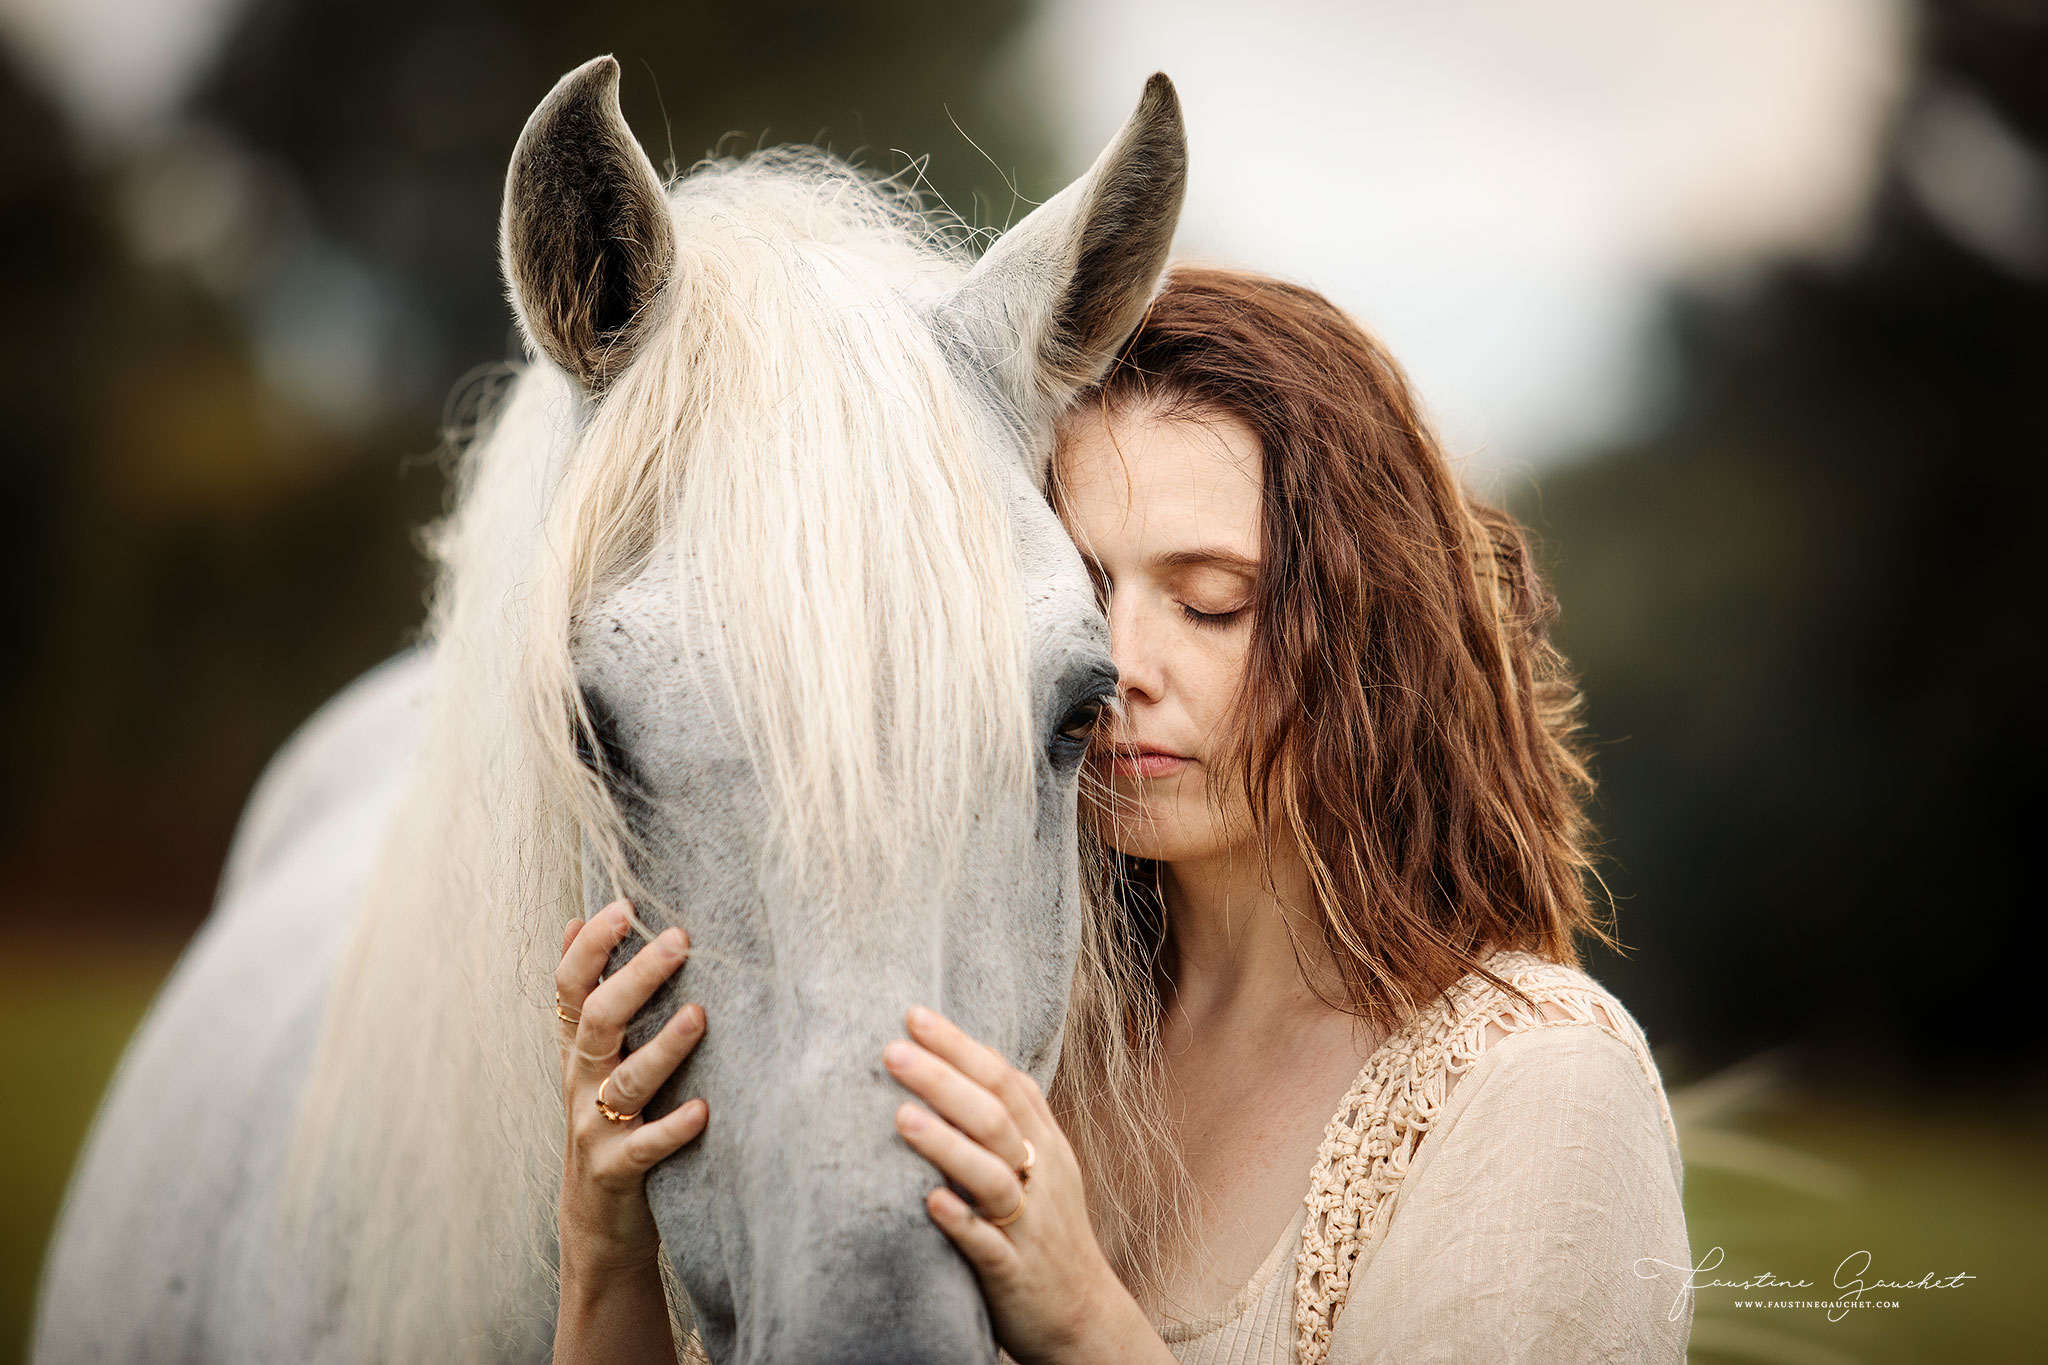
point(1145, 763)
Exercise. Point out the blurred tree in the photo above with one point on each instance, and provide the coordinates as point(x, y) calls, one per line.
point(51, 244)
point(399, 115)
point(1806, 618)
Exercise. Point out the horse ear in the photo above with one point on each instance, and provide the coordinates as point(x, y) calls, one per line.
point(1055, 298)
point(585, 236)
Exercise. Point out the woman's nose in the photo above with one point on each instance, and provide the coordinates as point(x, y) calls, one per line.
point(1132, 648)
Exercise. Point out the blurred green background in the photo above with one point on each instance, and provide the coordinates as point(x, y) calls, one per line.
point(1802, 599)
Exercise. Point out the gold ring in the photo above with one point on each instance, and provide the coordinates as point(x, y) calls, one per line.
point(1015, 1213)
point(614, 1115)
point(564, 1015)
point(1030, 1160)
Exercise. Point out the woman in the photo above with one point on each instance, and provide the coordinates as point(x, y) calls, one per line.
point(1336, 823)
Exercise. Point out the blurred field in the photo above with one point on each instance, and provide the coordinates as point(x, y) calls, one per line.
point(1942, 1190)
point(1937, 1191)
point(66, 1011)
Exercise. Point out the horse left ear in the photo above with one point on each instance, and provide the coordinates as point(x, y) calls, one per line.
point(585, 236)
point(1057, 296)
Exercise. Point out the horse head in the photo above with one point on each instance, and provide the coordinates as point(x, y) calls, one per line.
point(820, 665)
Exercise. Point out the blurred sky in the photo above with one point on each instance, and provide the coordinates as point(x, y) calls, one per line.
point(119, 65)
point(1516, 182)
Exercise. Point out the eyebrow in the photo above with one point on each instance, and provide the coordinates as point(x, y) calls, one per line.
point(1199, 557)
point(1207, 557)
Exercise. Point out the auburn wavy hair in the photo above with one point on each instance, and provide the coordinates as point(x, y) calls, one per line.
point(1404, 718)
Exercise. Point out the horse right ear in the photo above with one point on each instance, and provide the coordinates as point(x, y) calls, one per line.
point(586, 237)
point(1057, 296)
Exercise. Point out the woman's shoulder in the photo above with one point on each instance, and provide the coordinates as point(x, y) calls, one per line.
point(1553, 996)
point(1532, 1032)
point(1526, 1218)
point(1431, 1054)
point(1565, 1084)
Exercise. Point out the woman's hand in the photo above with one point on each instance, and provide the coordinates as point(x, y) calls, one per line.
point(612, 1304)
point(1051, 1293)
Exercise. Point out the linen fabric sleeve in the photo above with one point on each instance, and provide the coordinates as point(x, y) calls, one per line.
point(1518, 1234)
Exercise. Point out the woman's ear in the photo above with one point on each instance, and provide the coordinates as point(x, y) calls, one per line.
point(585, 236)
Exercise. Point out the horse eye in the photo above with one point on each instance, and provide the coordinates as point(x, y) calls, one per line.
point(1079, 723)
point(598, 745)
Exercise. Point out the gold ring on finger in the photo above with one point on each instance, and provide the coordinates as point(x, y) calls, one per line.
point(1013, 1215)
point(565, 1014)
point(1030, 1160)
point(613, 1114)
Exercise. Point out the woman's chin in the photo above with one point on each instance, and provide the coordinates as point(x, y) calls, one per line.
point(1158, 837)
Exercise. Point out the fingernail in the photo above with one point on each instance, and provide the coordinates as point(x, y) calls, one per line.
point(897, 1056)
point(910, 1118)
point(672, 941)
point(920, 1017)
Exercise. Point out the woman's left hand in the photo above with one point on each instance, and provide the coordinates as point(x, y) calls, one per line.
point(1051, 1293)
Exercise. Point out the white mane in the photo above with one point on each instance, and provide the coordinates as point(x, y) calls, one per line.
point(792, 422)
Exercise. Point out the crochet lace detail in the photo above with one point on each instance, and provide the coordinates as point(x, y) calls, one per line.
point(1370, 1143)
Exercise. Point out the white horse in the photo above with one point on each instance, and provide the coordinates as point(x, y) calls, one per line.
point(751, 606)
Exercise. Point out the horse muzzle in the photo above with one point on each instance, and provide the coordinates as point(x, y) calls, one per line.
point(901, 1296)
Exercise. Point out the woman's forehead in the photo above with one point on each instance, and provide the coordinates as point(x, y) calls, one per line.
point(1162, 488)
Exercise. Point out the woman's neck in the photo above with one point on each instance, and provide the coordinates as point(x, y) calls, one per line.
point(1239, 939)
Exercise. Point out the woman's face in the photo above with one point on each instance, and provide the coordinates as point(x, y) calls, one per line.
point(1166, 514)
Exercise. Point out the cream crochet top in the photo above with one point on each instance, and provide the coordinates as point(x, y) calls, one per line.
point(1516, 1232)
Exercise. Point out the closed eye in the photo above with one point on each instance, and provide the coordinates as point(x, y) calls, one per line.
point(1210, 619)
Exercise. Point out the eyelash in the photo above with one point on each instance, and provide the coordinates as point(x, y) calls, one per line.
point(1210, 620)
point(1205, 620)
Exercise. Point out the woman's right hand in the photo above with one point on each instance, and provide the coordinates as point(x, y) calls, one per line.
point(606, 1227)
